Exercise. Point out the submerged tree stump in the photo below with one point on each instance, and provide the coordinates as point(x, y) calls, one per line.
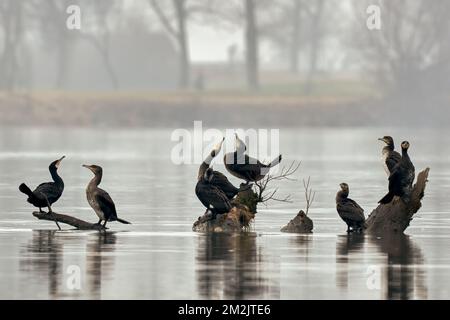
point(66, 219)
point(395, 216)
point(300, 224)
point(238, 219)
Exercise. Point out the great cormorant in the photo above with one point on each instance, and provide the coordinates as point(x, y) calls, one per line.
point(244, 167)
point(46, 193)
point(219, 180)
point(349, 210)
point(99, 199)
point(210, 196)
point(390, 157)
point(401, 178)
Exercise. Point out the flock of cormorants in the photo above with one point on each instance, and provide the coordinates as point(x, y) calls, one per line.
point(213, 188)
point(215, 191)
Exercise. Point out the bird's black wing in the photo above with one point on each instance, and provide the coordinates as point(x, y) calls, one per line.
point(106, 204)
point(354, 204)
point(48, 190)
point(350, 210)
point(210, 195)
point(221, 181)
point(251, 168)
point(219, 200)
point(392, 160)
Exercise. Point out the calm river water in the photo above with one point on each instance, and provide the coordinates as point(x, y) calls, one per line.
point(158, 257)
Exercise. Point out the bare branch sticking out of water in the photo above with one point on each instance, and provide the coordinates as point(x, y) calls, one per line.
point(309, 194)
point(261, 186)
point(72, 221)
point(301, 222)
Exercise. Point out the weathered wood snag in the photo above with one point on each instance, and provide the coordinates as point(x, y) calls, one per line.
point(395, 216)
point(66, 219)
point(238, 219)
point(300, 224)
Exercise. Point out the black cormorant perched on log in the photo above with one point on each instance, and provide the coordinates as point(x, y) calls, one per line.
point(99, 199)
point(211, 196)
point(390, 157)
point(401, 178)
point(46, 193)
point(349, 210)
point(219, 180)
point(244, 167)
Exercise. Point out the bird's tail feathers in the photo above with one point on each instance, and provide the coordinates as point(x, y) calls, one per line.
point(24, 189)
point(275, 162)
point(387, 198)
point(123, 221)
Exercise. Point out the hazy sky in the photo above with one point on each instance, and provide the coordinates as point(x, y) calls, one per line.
point(211, 44)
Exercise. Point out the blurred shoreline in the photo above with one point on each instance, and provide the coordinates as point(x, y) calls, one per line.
point(180, 109)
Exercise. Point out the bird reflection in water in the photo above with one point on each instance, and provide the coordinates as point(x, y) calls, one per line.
point(402, 275)
point(229, 267)
point(42, 257)
point(99, 261)
point(346, 252)
point(405, 274)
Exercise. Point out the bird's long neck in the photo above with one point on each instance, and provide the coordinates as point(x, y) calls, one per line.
point(95, 181)
point(56, 178)
point(405, 155)
point(205, 164)
point(341, 195)
point(389, 147)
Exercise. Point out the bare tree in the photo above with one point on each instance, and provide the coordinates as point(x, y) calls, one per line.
point(410, 54)
point(51, 16)
point(264, 194)
point(99, 34)
point(178, 31)
point(295, 38)
point(11, 22)
point(316, 12)
point(251, 44)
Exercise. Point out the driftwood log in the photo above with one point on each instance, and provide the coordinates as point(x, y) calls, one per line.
point(66, 219)
point(395, 216)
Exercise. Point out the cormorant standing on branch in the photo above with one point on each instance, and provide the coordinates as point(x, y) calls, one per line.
point(389, 156)
point(99, 199)
point(401, 178)
point(349, 210)
point(244, 167)
point(46, 193)
point(219, 180)
point(210, 196)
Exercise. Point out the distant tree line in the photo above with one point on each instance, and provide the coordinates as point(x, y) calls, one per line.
point(410, 52)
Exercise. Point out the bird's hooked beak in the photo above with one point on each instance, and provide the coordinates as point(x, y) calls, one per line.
point(87, 166)
point(382, 139)
point(218, 146)
point(59, 161)
point(239, 144)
